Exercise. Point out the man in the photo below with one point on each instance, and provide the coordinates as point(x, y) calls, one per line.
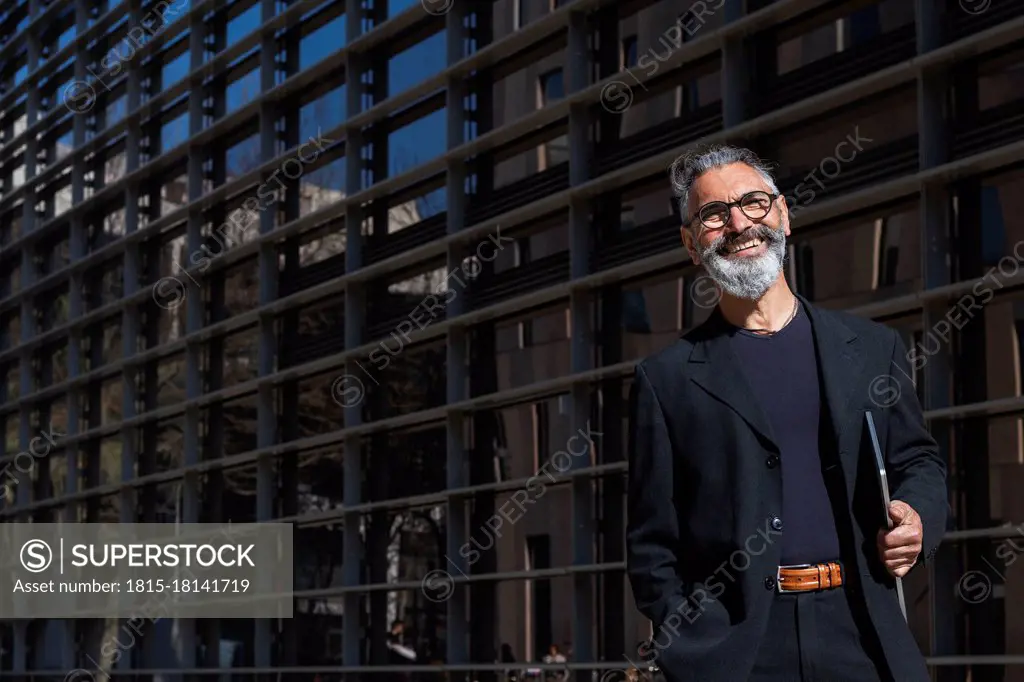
point(757, 541)
point(400, 653)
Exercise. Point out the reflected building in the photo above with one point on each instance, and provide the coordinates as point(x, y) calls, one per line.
point(399, 352)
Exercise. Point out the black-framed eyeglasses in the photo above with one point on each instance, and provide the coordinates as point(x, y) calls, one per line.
point(715, 215)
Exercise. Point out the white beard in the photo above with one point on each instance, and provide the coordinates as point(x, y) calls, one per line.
point(747, 278)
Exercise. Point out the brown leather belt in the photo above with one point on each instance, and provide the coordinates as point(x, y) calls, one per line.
point(809, 577)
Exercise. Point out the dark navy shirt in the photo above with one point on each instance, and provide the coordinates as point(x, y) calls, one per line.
point(782, 370)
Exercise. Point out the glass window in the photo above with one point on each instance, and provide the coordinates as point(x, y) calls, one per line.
point(533, 347)
point(857, 28)
point(804, 270)
point(863, 25)
point(848, 266)
point(1001, 81)
point(629, 52)
point(888, 252)
point(993, 229)
point(552, 88)
point(705, 89)
point(999, 199)
point(1000, 321)
point(538, 551)
point(854, 133)
point(649, 328)
point(635, 319)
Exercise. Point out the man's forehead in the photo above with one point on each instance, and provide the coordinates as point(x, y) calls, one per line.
point(721, 183)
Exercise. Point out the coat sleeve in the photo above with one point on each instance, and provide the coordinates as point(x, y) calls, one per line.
point(652, 528)
point(917, 471)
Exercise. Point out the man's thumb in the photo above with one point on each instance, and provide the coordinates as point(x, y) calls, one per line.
point(898, 511)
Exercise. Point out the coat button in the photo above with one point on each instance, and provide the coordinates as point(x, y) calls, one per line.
point(776, 523)
point(772, 461)
point(769, 583)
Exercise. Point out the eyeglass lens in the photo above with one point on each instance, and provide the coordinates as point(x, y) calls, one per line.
point(754, 205)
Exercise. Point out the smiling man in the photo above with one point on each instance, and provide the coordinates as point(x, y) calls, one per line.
point(757, 542)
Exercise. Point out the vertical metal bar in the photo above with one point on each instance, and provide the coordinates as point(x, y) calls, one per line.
point(935, 224)
point(73, 511)
point(195, 318)
point(456, 377)
point(582, 351)
point(267, 430)
point(354, 551)
point(735, 73)
point(27, 638)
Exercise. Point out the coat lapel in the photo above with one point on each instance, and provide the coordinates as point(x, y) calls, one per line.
point(715, 368)
point(840, 363)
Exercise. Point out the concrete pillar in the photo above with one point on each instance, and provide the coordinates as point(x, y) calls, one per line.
point(454, 564)
point(735, 73)
point(582, 349)
point(23, 633)
point(355, 328)
point(936, 271)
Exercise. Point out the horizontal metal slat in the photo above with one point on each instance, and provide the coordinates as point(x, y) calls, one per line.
point(519, 193)
point(410, 237)
point(311, 275)
point(386, 326)
point(644, 240)
point(521, 279)
point(960, 24)
point(313, 347)
point(383, 316)
point(898, 165)
point(991, 129)
point(376, 314)
point(533, 284)
point(540, 273)
point(664, 136)
point(868, 167)
point(827, 73)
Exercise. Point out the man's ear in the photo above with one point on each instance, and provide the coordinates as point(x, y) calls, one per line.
point(688, 243)
point(784, 213)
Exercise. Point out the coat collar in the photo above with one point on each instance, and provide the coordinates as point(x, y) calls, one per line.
point(715, 368)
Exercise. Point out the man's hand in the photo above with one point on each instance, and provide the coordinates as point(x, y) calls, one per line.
point(899, 548)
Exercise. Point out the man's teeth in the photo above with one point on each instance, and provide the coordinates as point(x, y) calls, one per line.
point(734, 248)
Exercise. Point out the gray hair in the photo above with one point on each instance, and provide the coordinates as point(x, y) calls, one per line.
point(697, 161)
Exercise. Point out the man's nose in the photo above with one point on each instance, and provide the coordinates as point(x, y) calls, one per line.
point(738, 220)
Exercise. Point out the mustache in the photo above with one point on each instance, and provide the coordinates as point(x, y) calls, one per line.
point(762, 232)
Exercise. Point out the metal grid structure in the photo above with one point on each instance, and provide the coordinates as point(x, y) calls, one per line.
point(583, 193)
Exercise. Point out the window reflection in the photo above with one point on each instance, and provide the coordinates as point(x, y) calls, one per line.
point(990, 584)
point(1001, 81)
point(628, 58)
point(533, 347)
point(993, 228)
point(845, 267)
point(1001, 202)
point(1002, 323)
point(552, 88)
point(798, 150)
point(857, 28)
point(318, 564)
point(655, 311)
point(634, 308)
point(888, 252)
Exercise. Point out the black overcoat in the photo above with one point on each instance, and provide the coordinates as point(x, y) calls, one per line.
point(705, 492)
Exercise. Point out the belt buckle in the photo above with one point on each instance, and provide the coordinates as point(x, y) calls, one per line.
point(778, 576)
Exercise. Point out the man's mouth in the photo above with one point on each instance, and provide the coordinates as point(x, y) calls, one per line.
point(741, 246)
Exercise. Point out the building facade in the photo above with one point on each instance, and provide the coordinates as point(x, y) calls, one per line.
point(383, 270)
